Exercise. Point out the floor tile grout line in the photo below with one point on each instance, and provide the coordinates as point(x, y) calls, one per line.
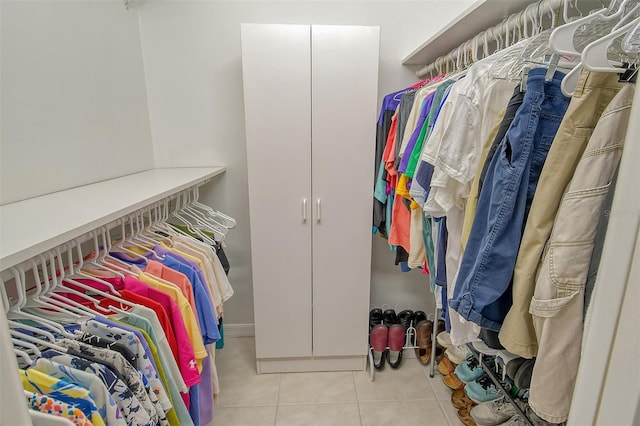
point(355, 387)
point(275, 419)
point(445, 415)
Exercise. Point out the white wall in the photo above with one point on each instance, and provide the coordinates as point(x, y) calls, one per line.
point(73, 98)
point(194, 80)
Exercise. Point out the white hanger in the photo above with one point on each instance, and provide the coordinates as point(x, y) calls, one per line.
point(41, 300)
point(96, 303)
point(107, 260)
point(631, 42)
point(120, 245)
point(594, 56)
point(562, 38)
point(25, 344)
point(23, 355)
point(17, 334)
point(15, 311)
point(81, 309)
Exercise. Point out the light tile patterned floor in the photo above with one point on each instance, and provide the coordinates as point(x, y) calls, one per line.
point(402, 397)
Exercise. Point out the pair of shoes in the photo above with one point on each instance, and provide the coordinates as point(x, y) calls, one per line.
point(494, 412)
point(459, 399)
point(445, 366)
point(452, 382)
point(464, 415)
point(482, 390)
point(382, 337)
point(457, 353)
point(470, 370)
point(423, 340)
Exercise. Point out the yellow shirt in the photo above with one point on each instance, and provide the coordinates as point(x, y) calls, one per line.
point(188, 316)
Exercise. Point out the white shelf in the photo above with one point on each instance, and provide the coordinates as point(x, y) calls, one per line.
point(35, 225)
point(478, 17)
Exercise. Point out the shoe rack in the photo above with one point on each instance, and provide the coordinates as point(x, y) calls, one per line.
point(409, 343)
point(490, 371)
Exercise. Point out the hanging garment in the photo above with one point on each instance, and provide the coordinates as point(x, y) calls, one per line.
point(126, 401)
point(77, 396)
point(454, 150)
point(48, 405)
point(132, 378)
point(592, 95)
point(558, 301)
point(106, 405)
point(482, 292)
point(174, 382)
point(104, 328)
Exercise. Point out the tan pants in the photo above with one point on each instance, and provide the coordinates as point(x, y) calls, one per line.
point(592, 95)
point(558, 301)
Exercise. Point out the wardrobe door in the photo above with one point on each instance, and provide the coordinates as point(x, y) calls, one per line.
point(344, 101)
point(277, 101)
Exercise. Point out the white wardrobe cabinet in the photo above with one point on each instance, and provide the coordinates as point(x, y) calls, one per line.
point(310, 185)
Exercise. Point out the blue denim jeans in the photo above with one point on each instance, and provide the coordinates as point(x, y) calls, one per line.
point(482, 292)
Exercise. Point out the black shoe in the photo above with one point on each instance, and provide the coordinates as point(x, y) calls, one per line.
point(419, 316)
point(375, 317)
point(389, 317)
point(406, 318)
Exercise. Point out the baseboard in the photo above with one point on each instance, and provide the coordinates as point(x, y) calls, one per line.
point(239, 330)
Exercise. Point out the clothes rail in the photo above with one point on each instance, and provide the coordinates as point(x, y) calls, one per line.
point(35, 225)
point(170, 203)
point(512, 29)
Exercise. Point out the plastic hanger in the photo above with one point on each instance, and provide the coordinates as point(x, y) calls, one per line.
point(210, 221)
point(65, 301)
point(594, 56)
point(23, 355)
point(120, 245)
point(16, 312)
point(562, 38)
point(96, 303)
point(631, 42)
point(93, 261)
point(178, 214)
point(147, 228)
point(133, 240)
point(40, 300)
point(17, 334)
point(107, 260)
point(27, 345)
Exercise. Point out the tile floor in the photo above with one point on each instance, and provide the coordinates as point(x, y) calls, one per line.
point(402, 397)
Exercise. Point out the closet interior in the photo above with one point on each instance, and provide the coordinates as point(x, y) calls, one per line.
point(177, 174)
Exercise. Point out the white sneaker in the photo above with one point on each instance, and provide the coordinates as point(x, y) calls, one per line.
point(444, 339)
point(492, 413)
point(481, 347)
point(457, 354)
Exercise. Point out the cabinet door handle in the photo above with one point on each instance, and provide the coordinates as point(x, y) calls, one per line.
point(304, 210)
point(318, 210)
